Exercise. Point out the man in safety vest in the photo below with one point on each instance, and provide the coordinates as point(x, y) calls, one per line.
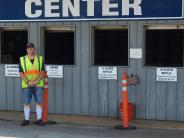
point(31, 70)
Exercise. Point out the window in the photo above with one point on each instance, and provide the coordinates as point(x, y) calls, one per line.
point(164, 46)
point(13, 44)
point(59, 46)
point(110, 46)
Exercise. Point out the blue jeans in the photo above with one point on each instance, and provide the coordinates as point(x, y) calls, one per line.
point(35, 91)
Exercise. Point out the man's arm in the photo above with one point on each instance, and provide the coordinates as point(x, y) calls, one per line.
point(40, 77)
point(23, 77)
point(21, 72)
point(41, 74)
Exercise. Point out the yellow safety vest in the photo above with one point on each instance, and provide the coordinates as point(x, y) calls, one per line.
point(32, 71)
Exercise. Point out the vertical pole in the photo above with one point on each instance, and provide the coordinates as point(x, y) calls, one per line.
point(45, 100)
point(124, 101)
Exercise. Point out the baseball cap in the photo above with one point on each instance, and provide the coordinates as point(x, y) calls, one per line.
point(30, 45)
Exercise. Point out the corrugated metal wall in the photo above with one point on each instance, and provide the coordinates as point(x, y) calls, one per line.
point(81, 93)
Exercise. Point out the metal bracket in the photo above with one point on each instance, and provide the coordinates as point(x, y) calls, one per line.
point(133, 79)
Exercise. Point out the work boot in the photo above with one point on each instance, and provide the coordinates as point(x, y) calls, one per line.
point(25, 123)
point(40, 122)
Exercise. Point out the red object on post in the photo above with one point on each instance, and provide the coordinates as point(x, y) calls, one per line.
point(45, 100)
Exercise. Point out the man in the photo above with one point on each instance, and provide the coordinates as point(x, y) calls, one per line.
point(31, 70)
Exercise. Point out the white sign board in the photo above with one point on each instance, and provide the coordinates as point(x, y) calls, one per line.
point(12, 70)
point(107, 73)
point(136, 53)
point(167, 74)
point(54, 71)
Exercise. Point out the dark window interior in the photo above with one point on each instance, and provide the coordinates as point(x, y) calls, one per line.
point(111, 47)
point(59, 47)
point(13, 45)
point(164, 48)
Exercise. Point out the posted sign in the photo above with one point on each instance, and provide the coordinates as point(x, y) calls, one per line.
point(54, 71)
point(136, 53)
point(67, 10)
point(107, 73)
point(167, 74)
point(12, 70)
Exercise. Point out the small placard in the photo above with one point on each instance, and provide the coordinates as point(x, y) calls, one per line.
point(107, 73)
point(167, 74)
point(136, 53)
point(54, 71)
point(12, 70)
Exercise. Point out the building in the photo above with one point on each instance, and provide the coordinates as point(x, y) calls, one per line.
point(142, 37)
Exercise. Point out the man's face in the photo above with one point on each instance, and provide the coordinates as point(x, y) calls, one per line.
point(30, 51)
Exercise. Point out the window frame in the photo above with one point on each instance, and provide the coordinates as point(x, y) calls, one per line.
point(12, 27)
point(43, 28)
point(92, 43)
point(157, 27)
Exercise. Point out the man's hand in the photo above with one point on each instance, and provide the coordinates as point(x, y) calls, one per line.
point(31, 83)
point(35, 82)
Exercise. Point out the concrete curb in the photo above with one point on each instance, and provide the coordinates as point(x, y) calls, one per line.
point(101, 122)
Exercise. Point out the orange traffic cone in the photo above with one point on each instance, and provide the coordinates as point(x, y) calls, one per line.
point(124, 112)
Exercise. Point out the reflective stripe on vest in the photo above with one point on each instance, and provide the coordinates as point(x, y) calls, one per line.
point(31, 71)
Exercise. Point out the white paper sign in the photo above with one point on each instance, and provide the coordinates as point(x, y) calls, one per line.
point(167, 74)
point(12, 70)
point(107, 73)
point(136, 53)
point(54, 71)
